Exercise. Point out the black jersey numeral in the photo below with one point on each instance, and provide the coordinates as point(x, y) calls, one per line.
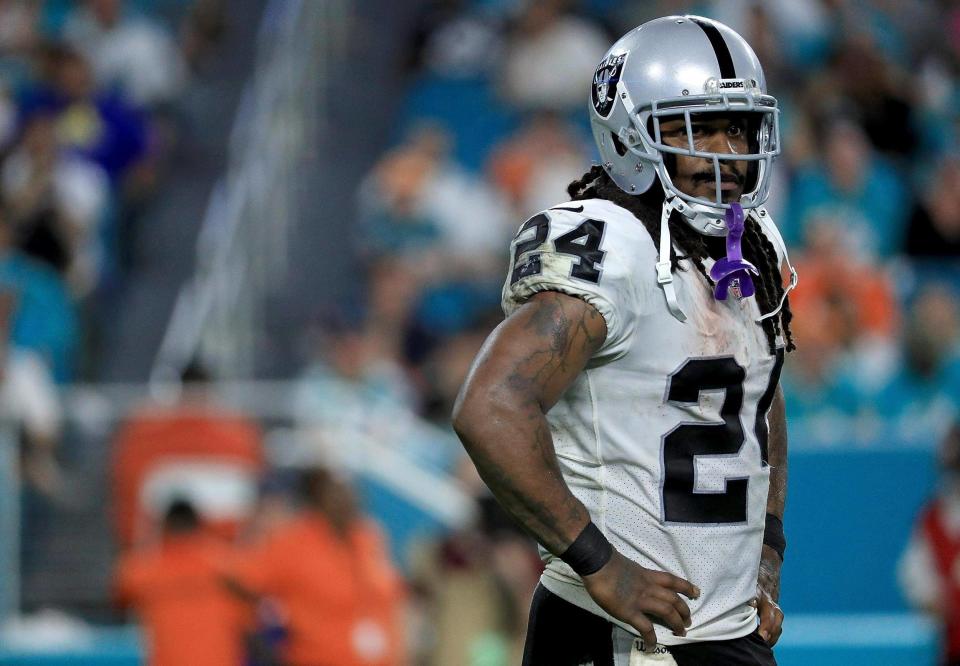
point(682, 502)
point(531, 265)
point(760, 425)
point(582, 243)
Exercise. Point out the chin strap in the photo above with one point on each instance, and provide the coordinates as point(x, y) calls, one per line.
point(763, 219)
point(664, 273)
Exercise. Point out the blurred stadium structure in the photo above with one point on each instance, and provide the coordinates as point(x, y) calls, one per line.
point(314, 200)
point(241, 261)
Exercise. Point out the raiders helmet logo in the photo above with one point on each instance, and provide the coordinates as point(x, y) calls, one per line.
point(605, 81)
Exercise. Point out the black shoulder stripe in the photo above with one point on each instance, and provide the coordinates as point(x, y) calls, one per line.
point(724, 58)
point(575, 209)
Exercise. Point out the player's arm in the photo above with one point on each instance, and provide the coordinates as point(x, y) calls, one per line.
point(522, 370)
point(768, 581)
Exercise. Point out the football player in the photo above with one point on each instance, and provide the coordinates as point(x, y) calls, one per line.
point(627, 411)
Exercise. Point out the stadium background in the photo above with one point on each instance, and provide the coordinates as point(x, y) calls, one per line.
point(313, 200)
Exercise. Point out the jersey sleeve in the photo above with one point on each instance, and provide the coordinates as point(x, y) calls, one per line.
point(585, 254)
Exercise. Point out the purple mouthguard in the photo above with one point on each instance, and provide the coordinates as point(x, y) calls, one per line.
point(733, 267)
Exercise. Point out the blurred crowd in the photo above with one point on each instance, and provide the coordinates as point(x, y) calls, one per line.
point(88, 94)
point(230, 554)
point(88, 122)
point(308, 582)
point(493, 128)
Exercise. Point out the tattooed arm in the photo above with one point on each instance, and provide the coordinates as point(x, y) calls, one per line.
point(768, 581)
point(522, 370)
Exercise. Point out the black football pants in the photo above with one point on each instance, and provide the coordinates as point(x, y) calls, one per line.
point(561, 634)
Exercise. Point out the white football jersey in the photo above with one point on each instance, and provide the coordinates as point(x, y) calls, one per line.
point(663, 436)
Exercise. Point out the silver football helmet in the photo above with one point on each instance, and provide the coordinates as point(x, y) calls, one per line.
point(674, 68)
point(682, 68)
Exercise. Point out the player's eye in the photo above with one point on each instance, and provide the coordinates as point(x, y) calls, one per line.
point(736, 129)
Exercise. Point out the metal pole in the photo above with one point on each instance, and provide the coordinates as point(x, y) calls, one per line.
point(9, 524)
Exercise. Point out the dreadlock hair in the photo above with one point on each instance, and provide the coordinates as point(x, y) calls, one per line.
point(757, 248)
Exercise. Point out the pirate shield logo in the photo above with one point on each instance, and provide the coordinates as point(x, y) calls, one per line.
point(605, 81)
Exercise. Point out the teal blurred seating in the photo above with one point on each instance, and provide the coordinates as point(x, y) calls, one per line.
point(857, 640)
point(116, 646)
point(849, 515)
point(467, 108)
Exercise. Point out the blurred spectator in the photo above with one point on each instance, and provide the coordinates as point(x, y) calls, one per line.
point(451, 40)
point(353, 370)
point(550, 57)
point(176, 586)
point(273, 507)
point(328, 571)
point(476, 584)
point(854, 190)
point(534, 166)
point(95, 124)
point(358, 384)
point(823, 397)
point(40, 181)
point(922, 395)
point(31, 408)
point(851, 298)
point(908, 29)
point(44, 318)
point(934, 229)
point(8, 115)
point(127, 52)
point(437, 231)
point(393, 291)
point(928, 566)
point(19, 38)
point(417, 202)
point(202, 30)
point(446, 368)
point(18, 26)
point(195, 448)
point(863, 83)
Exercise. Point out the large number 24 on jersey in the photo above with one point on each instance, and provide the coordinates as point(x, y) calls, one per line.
point(683, 406)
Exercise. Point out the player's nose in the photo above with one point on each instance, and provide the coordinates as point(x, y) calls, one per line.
point(719, 141)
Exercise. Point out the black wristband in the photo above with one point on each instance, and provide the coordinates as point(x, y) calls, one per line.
point(589, 551)
point(773, 535)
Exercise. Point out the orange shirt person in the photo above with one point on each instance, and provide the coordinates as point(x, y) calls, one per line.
point(329, 572)
point(177, 588)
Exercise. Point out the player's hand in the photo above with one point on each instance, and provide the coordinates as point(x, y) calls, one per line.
point(768, 592)
point(641, 597)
